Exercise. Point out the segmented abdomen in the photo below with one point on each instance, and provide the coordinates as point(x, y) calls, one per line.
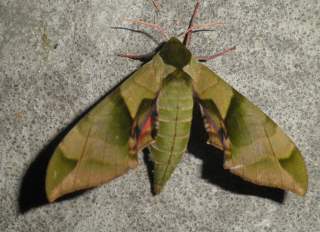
point(174, 107)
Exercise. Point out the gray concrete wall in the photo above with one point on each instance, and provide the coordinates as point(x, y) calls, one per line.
point(58, 57)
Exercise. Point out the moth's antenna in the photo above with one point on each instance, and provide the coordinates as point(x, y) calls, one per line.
point(187, 38)
point(153, 26)
point(148, 56)
point(141, 57)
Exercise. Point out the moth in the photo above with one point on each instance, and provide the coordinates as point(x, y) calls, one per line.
point(153, 109)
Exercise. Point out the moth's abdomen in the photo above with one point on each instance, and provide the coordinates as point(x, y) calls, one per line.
point(174, 107)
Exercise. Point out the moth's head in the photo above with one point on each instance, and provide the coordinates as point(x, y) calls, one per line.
point(175, 53)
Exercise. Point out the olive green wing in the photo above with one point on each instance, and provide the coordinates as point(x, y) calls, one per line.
point(96, 149)
point(255, 148)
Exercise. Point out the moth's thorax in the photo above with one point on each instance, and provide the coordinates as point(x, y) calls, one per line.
point(175, 53)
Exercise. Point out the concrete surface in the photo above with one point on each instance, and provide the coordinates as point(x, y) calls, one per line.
point(58, 57)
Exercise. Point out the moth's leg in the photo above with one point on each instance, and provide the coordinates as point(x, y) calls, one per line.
point(142, 57)
point(206, 58)
point(187, 38)
point(153, 26)
point(197, 27)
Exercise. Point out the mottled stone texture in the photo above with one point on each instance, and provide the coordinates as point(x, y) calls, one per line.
point(58, 57)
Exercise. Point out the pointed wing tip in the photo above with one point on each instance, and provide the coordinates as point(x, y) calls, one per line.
point(52, 196)
point(301, 190)
point(51, 199)
point(301, 193)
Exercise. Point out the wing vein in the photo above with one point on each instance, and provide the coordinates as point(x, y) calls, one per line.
point(76, 170)
point(273, 153)
point(142, 86)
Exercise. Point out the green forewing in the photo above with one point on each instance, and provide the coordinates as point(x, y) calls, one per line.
point(259, 151)
point(96, 149)
point(144, 83)
point(105, 142)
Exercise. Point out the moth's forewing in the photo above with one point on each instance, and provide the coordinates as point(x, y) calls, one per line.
point(259, 151)
point(96, 149)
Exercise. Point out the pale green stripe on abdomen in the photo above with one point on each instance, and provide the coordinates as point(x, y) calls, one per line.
point(174, 107)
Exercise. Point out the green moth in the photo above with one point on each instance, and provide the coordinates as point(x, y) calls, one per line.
point(153, 109)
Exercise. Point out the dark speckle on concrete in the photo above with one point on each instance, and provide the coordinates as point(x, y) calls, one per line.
point(57, 58)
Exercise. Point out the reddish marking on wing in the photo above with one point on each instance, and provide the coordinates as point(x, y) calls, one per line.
point(146, 129)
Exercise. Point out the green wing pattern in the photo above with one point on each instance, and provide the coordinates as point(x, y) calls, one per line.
point(259, 151)
point(96, 150)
